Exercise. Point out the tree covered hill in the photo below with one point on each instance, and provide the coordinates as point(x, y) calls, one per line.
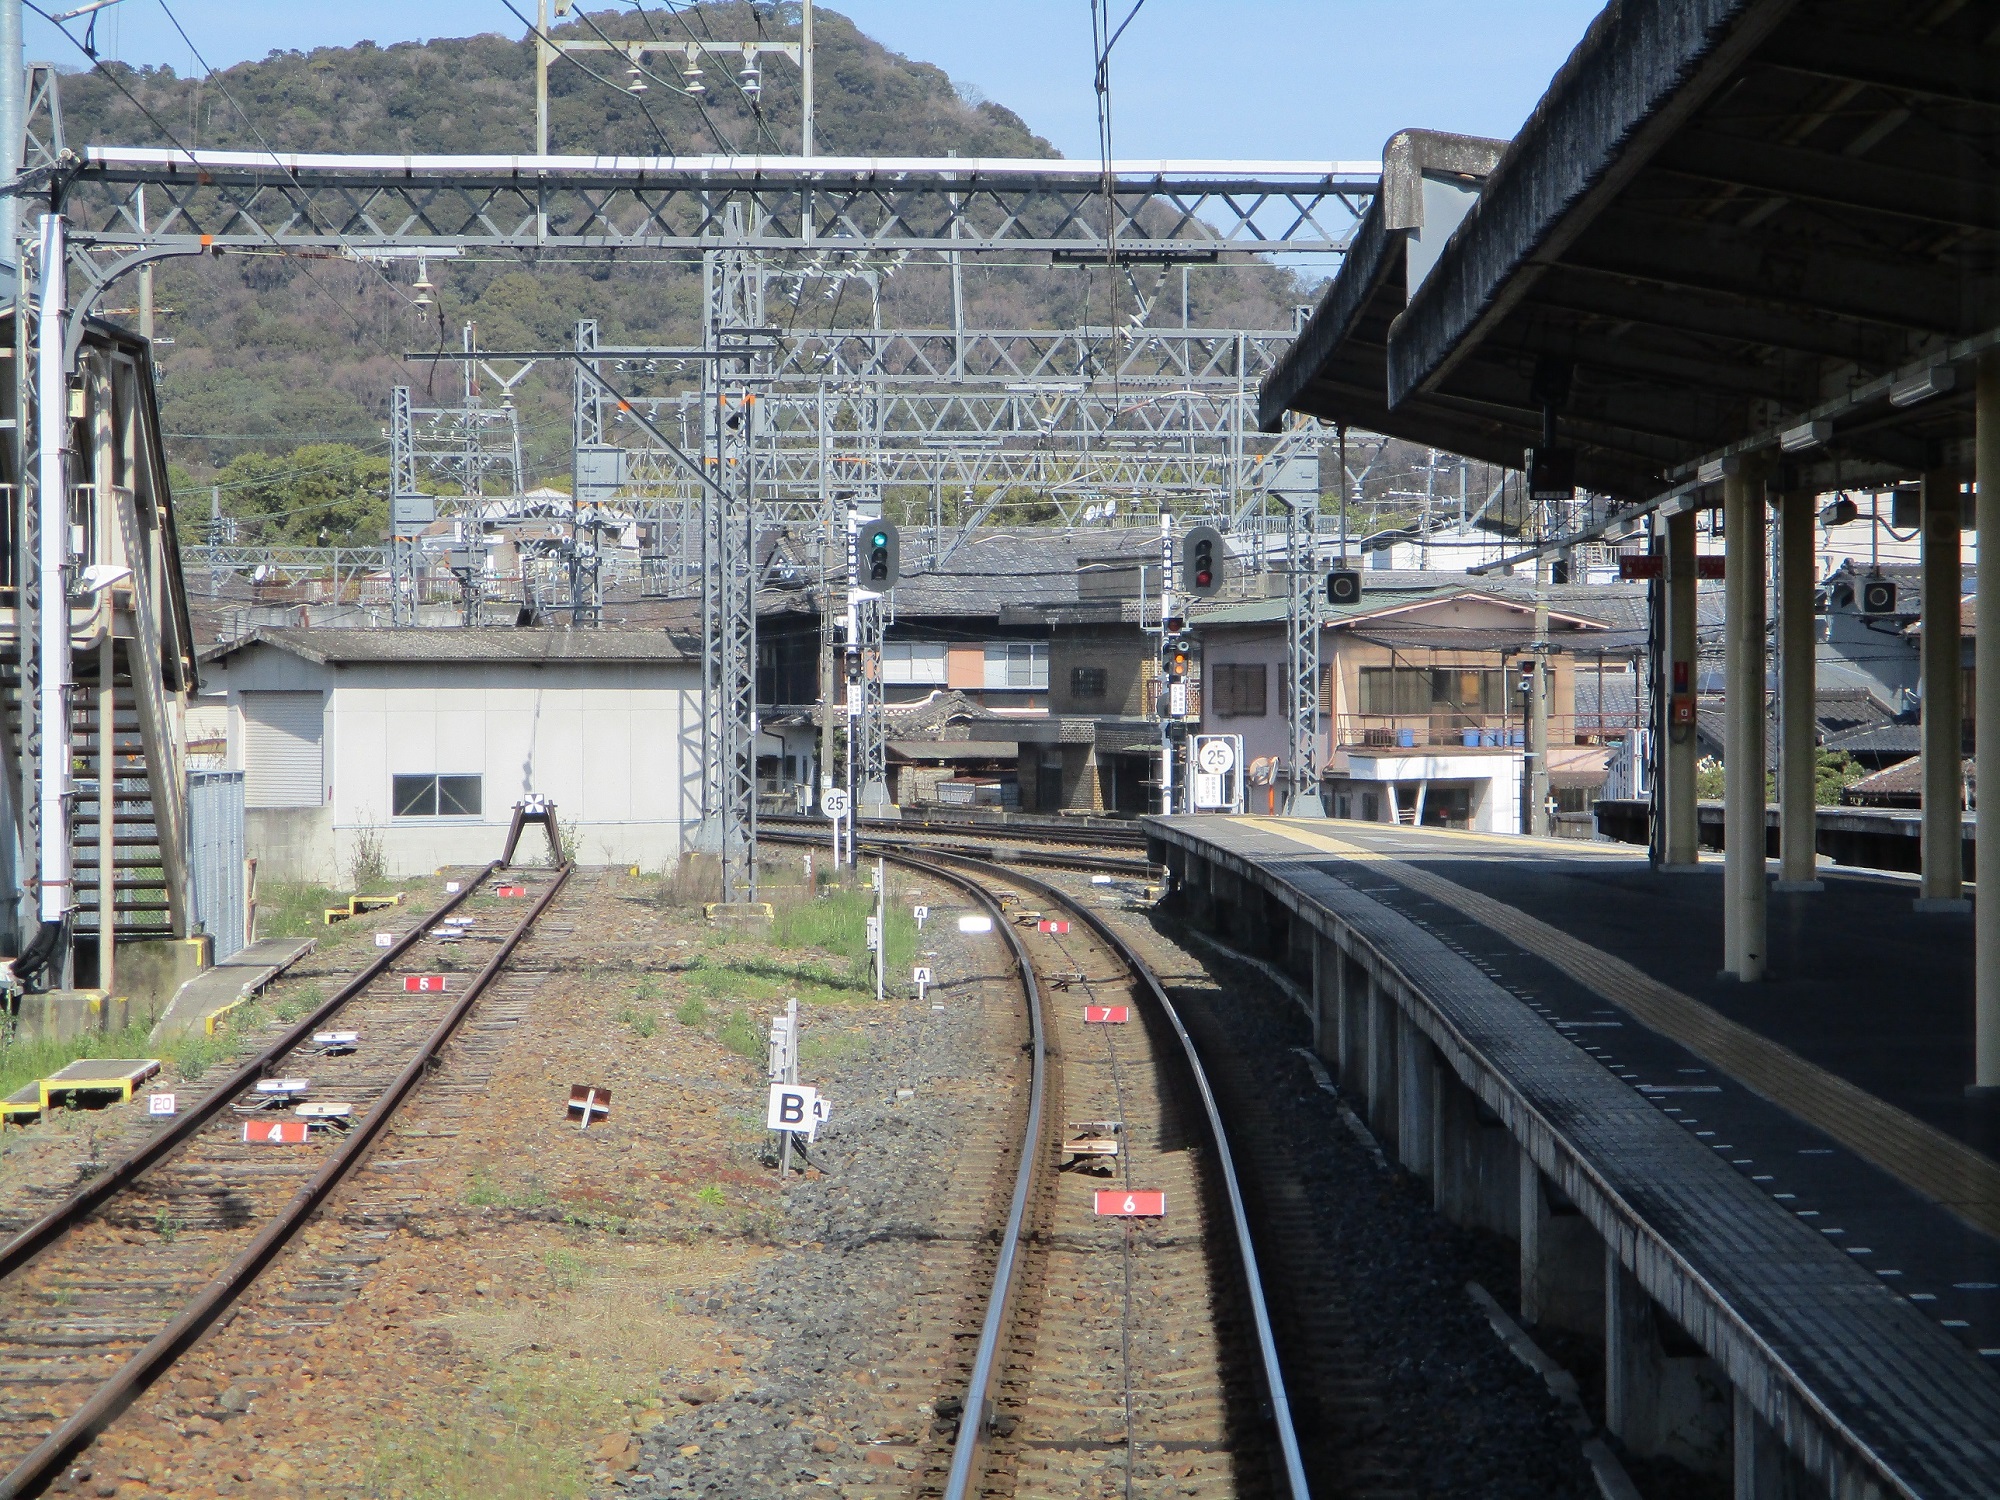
point(269, 354)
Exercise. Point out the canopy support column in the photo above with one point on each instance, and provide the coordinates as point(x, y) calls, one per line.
point(1943, 718)
point(1797, 813)
point(1744, 832)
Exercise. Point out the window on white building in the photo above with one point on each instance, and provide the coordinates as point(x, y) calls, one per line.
point(435, 796)
point(914, 663)
point(1017, 664)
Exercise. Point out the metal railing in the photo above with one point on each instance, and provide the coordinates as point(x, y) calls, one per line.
point(1468, 730)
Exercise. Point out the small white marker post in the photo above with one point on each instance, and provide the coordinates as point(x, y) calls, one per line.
point(923, 979)
point(881, 926)
point(922, 914)
point(787, 1071)
point(835, 803)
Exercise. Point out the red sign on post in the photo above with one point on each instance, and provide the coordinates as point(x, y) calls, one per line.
point(1110, 1015)
point(1116, 1205)
point(510, 890)
point(1635, 566)
point(423, 984)
point(275, 1132)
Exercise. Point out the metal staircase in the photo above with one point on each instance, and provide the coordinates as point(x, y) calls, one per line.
point(146, 900)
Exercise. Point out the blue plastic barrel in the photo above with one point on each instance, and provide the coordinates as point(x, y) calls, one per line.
point(1471, 739)
point(1406, 738)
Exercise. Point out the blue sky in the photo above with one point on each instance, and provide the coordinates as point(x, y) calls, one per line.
point(1242, 78)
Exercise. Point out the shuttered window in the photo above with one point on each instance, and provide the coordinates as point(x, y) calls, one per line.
point(282, 765)
point(1236, 689)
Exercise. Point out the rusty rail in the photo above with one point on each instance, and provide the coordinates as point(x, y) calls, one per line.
point(42, 1466)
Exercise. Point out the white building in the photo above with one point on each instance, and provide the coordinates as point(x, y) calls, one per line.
point(425, 739)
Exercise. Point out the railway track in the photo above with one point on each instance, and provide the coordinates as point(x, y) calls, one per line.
point(1011, 827)
point(101, 1294)
point(1055, 846)
point(1115, 1355)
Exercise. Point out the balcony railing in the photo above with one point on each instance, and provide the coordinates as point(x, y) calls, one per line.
point(1462, 730)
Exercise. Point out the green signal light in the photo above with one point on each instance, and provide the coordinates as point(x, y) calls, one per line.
point(881, 539)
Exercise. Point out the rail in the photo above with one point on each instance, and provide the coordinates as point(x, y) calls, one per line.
point(41, 1466)
point(1274, 1379)
point(973, 1424)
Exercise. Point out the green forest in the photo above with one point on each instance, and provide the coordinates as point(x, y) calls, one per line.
point(276, 372)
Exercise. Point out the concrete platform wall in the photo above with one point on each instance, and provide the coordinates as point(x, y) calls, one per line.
point(1444, 1114)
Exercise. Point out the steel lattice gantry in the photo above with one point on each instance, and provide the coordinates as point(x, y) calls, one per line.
point(200, 200)
point(1175, 420)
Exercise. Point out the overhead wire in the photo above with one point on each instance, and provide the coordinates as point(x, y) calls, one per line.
point(211, 76)
point(677, 12)
point(541, 35)
point(701, 104)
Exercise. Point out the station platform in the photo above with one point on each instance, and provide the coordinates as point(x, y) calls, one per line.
point(216, 991)
point(1569, 980)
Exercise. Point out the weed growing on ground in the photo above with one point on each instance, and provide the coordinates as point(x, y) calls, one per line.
point(565, 1270)
point(692, 1012)
point(288, 908)
point(837, 922)
point(643, 1022)
point(485, 1192)
point(740, 1035)
point(23, 1060)
point(166, 1226)
point(711, 1196)
point(370, 865)
point(830, 1046)
point(304, 1003)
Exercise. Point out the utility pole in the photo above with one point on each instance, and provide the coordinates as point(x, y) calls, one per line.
point(1166, 687)
point(52, 431)
point(806, 147)
point(855, 668)
point(13, 81)
point(1302, 649)
point(1538, 709)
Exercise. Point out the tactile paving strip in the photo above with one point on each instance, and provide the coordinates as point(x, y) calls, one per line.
point(1812, 1339)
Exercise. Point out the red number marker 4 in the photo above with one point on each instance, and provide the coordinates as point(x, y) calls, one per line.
point(275, 1132)
point(1116, 1205)
point(1112, 1015)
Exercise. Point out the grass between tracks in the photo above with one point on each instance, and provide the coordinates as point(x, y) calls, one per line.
point(572, 1368)
point(735, 975)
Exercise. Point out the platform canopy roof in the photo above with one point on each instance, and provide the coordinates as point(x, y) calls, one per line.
point(1726, 221)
